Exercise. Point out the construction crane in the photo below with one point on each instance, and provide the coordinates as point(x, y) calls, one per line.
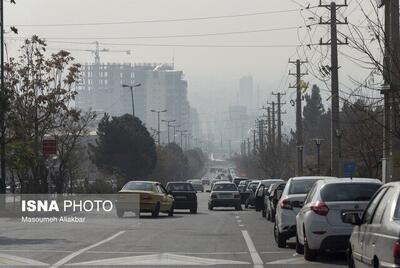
point(96, 52)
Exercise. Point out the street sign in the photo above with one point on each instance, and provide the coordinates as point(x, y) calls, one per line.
point(349, 168)
point(49, 146)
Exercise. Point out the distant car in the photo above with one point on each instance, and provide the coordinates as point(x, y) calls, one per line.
point(249, 194)
point(243, 186)
point(197, 185)
point(271, 201)
point(374, 241)
point(205, 181)
point(184, 195)
point(320, 225)
point(237, 180)
point(261, 193)
point(154, 198)
point(224, 194)
point(289, 205)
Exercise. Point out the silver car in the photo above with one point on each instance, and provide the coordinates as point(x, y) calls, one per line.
point(375, 240)
point(224, 194)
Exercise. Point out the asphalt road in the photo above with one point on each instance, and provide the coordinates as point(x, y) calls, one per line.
point(223, 238)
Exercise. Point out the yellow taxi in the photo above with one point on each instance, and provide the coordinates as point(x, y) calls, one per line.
point(154, 198)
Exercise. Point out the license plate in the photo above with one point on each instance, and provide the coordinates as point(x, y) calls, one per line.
point(225, 195)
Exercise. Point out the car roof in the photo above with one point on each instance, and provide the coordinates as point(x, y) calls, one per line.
point(224, 182)
point(152, 182)
point(351, 180)
point(255, 181)
point(273, 180)
point(312, 178)
point(172, 182)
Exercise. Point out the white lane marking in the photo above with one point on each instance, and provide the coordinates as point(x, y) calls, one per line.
point(298, 260)
point(241, 225)
point(180, 253)
point(272, 252)
point(156, 260)
point(76, 253)
point(36, 250)
point(239, 221)
point(9, 260)
point(237, 217)
point(257, 261)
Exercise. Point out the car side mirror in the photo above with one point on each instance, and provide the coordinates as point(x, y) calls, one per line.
point(352, 218)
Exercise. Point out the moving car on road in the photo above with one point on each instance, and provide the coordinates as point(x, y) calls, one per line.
point(224, 194)
point(184, 195)
point(289, 205)
point(271, 201)
point(319, 223)
point(197, 185)
point(374, 241)
point(154, 198)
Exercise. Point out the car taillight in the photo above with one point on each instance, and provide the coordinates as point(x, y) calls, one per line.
point(213, 196)
point(320, 208)
point(396, 252)
point(285, 204)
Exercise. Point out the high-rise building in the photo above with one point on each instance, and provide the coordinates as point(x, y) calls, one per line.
point(246, 95)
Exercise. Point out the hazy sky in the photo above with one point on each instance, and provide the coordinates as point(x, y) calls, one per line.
point(207, 69)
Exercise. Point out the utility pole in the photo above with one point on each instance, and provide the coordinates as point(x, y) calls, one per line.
point(269, 126)
point(299, 118)
point(248, 146)
point(335, 117)
point(318, 143)
point(168, 126)
point(182, 132)
point(279, 114)
point(158, 122)
point(3, 103)
point(254, 141)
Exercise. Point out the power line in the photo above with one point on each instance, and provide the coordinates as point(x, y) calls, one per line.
point(158, 20)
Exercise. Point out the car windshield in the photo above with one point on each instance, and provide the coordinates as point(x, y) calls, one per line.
point(348, 192)
point(138, 186)
point(195, 182)
point(179, 187)
point(225, 187)
point(301, 186)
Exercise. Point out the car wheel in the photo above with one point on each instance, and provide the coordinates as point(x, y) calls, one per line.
point(246, 204)
point(238, 207)
point(156, 211)
point(193, 210)
point(264, 213)
point(350, 259)
point(272, 217)
point(120, 213)
point(171, 212)
point(279, 238)
point(210, 207)
point(309, 254)
point(299, 247)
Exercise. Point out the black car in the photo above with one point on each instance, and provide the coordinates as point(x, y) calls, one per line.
point(184, 194)
point(271, 201)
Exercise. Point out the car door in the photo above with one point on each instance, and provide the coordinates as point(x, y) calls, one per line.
point(303, 211)
point(359, 232)
point(259, 199)
point(164, 203)
point(371, 238)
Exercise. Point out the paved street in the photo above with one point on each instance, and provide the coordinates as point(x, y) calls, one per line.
point(224, 238)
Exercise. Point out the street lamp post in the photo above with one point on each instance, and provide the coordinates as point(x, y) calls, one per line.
point(174, 127)
point(158, 122)
point(131, 87)
point(318, 143)
point(182, 132)
point(168, 126)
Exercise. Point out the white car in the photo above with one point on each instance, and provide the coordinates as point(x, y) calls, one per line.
point(374, 241)
point(224, 194)
point(289, 205)
point(320, 224)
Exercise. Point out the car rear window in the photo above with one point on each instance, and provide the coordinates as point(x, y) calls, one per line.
point(180, 187)
point(348, 192)
point(301, 186)
point(225, 187)
point(139, 186)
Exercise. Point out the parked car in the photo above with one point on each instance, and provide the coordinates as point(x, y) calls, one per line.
point(289, 205)
point(154, 198)
point(197, 185)
point(243, 186)
point(271, 201)
point(374, 241)
point(184, 195)
point(224, 194)
point(249, 194)
point(205, 181)
point(319, 223)
point(262, 192)
point(237, 180)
